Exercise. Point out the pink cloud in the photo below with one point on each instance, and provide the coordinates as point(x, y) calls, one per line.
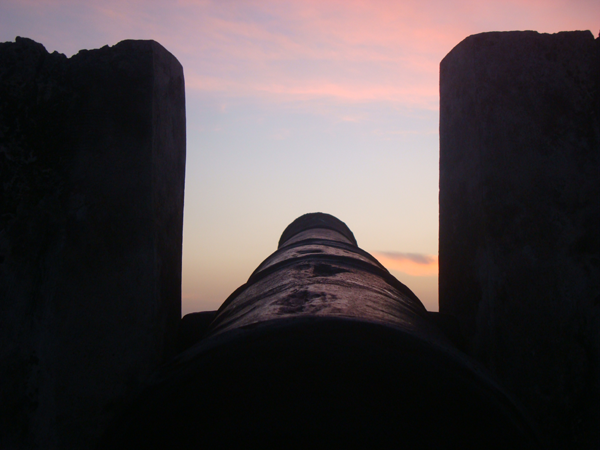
point(353, 50)
point(414, 264)
point(349, 51)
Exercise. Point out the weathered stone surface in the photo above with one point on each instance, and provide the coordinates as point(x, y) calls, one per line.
point(520, 219)
point(322, 347)
point(92, 155)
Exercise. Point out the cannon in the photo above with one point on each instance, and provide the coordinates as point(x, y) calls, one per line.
point(322, 348)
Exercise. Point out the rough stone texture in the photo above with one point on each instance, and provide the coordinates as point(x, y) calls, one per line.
point(92, 156)
point(520, 218)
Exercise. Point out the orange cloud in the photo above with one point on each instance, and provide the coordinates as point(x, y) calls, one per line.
point(414, 264)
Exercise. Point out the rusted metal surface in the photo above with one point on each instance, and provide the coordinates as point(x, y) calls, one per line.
point(320, 272)
point(322, 348)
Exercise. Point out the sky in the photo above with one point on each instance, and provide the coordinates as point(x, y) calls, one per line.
point(301, 106)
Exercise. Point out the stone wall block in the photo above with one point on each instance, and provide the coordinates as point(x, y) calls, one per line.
point(520, 217)
point(92, 160)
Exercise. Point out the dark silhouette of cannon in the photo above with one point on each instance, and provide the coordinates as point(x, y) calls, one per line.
point(321, 348)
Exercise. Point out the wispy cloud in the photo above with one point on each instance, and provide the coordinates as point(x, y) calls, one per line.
point(415, 264)
point(346, 51)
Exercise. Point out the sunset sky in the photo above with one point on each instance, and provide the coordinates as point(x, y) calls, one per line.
point(301, 106)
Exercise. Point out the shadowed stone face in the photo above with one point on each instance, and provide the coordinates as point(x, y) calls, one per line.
point(322, 348)
point(92, 163)
point(520, 217)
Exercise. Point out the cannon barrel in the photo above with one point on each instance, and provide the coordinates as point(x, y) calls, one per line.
point(322, 347)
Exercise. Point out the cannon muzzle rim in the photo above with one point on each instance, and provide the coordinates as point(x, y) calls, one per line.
point(316, 220)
